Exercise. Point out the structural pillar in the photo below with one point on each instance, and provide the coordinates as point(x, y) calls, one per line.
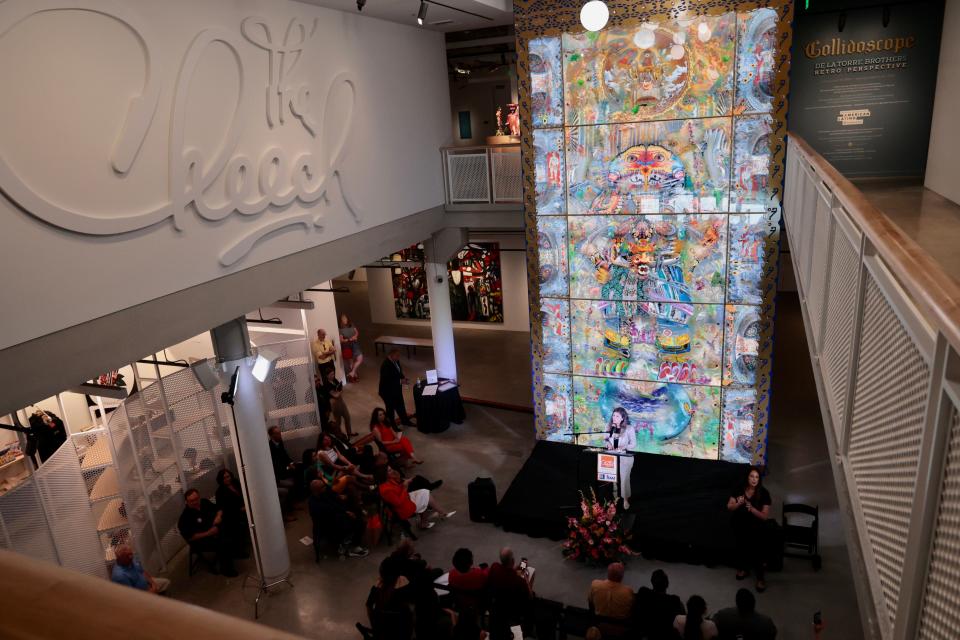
point(439, 249)
point(231, 344)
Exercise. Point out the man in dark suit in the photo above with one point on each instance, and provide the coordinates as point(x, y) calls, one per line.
point(391, 388)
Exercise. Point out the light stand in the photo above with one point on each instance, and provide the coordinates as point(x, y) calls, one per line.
point(227, 397)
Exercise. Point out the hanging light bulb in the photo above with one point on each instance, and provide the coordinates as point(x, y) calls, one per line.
point(594, 15)
point(703, 31)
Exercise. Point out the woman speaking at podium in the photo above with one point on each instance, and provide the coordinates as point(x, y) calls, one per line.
point(621, 437)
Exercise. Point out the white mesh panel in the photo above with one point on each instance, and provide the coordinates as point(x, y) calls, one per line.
point(837, 350)
point(940, 612)
point(68, 511)
point(23, 527)
point(507, 178)
point(888, 412)
point(288, 397)
point(815, 293)
point(469, 181)
point(811, 201)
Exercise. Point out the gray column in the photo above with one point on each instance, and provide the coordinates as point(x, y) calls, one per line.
point(439, 249)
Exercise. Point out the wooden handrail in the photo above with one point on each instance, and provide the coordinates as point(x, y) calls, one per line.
point(42, 600)
point(929, 286)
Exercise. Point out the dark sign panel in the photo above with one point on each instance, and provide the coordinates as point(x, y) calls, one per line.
point(861, 93)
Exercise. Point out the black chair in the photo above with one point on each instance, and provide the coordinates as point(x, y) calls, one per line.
point(576, 621)
point(390, 519)
point(801, 535)
point(547, 615)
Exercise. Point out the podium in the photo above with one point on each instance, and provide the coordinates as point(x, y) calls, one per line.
point(624, 468)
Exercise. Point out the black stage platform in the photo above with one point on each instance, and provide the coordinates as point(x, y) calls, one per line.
point(678, 504)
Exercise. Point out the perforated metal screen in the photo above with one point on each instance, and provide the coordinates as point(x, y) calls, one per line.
point(940, 612)
point(288, 397)
point(23, 526)
point(888, 412)
point(836, 354)
point(468, 179)
point(816, 291)
point(507, 177)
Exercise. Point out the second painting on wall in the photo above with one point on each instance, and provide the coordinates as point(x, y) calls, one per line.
point(474, 278)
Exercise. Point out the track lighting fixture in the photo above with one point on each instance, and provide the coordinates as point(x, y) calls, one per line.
point(422, 14)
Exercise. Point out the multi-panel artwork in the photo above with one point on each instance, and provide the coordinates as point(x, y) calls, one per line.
point(657, 228)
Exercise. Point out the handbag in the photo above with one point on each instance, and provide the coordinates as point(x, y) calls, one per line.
point(347, 353)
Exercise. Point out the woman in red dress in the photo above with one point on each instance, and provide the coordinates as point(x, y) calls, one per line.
point(389, 439)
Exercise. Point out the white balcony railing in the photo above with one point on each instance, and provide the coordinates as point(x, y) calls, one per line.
point(483, 175)
point(883, 328)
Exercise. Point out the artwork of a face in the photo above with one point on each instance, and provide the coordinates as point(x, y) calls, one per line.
point(657, 221)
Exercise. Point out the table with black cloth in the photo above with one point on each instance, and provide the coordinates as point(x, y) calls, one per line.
point(435, 413)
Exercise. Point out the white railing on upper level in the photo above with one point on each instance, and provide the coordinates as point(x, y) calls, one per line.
point(883, 327)
point(482, 175)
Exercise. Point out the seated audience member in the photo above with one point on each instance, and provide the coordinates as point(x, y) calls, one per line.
point(743, 622)
point(468, 626)
point(655, 609)
point(284, 469)
point(593, 633)
point(330, 515)
point(128, 571)
point(200, 525)
point(336, 463)
point(406, 504)
point(388, 437)
point(230, 502)
point(612, 599)
point(694, 625)
point(467, 581)
point(389, 604)
point(342, 446)
point(510, 591)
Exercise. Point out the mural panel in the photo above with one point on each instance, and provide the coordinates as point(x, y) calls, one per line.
point(655, 341)
point(555, 316)
point(558, 409)
point(756, 59)
point(548, 160)
point(678, 166)
point(546, 83)
point(741, 349)
point(738, 424)
point(410, 285)
point(680, 69)
point(751, 164)
point(552, 252)
point(476, 287)
point(749, 263)
point(658, 258)
point(672, 419)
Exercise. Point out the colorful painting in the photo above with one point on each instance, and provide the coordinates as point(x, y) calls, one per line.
point(657, 258)
point(655, 341)
point(558, 409)
point(552, 253)
point(756, 60)
point(741, 349)
point(673, 419)
point(738, 424)
point(476, 286)
point(555, 316)
point(546, 83)
point(679, 166)
point(656, 173)
point(751, 164)
point(681, 69)
point(548, 161)
point(747, 266)
point(410, 285)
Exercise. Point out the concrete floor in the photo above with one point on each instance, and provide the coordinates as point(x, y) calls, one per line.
point(328, 598)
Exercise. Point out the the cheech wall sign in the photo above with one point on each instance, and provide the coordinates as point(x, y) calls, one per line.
point(256, 183)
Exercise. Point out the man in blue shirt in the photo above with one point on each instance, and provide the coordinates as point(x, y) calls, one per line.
point(128, 571)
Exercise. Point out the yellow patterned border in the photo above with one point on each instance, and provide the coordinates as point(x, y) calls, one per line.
point(537, 18)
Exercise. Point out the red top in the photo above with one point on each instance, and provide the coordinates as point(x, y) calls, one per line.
point(387, 434)
point(473, 580)
point(395, 494)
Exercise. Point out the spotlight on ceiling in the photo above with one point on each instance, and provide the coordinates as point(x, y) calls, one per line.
point(594, 15)
point(422, 14)
point(360, 4)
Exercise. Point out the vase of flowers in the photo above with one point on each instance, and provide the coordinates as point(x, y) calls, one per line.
point(597, 535)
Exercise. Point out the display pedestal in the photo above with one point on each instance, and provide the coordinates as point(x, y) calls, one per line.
point(503, 139)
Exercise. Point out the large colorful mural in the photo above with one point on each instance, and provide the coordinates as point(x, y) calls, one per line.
point(654, 175)
point(475, 281)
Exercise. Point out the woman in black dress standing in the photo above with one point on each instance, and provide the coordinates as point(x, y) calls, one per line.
point(750, 504)
point(230, 501)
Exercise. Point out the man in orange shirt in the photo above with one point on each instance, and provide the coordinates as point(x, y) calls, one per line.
point(611, 598)
point(408, 504)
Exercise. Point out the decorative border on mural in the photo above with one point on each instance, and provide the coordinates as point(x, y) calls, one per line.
point(537, 18)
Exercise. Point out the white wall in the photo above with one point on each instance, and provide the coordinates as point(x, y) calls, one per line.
point(943, 174)
point(516, 315)
point(88, 139)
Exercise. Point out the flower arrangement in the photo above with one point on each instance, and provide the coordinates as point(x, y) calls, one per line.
point(597, 535)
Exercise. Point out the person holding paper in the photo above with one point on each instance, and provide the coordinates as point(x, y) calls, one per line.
point(391, 388)
point(622, 437)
